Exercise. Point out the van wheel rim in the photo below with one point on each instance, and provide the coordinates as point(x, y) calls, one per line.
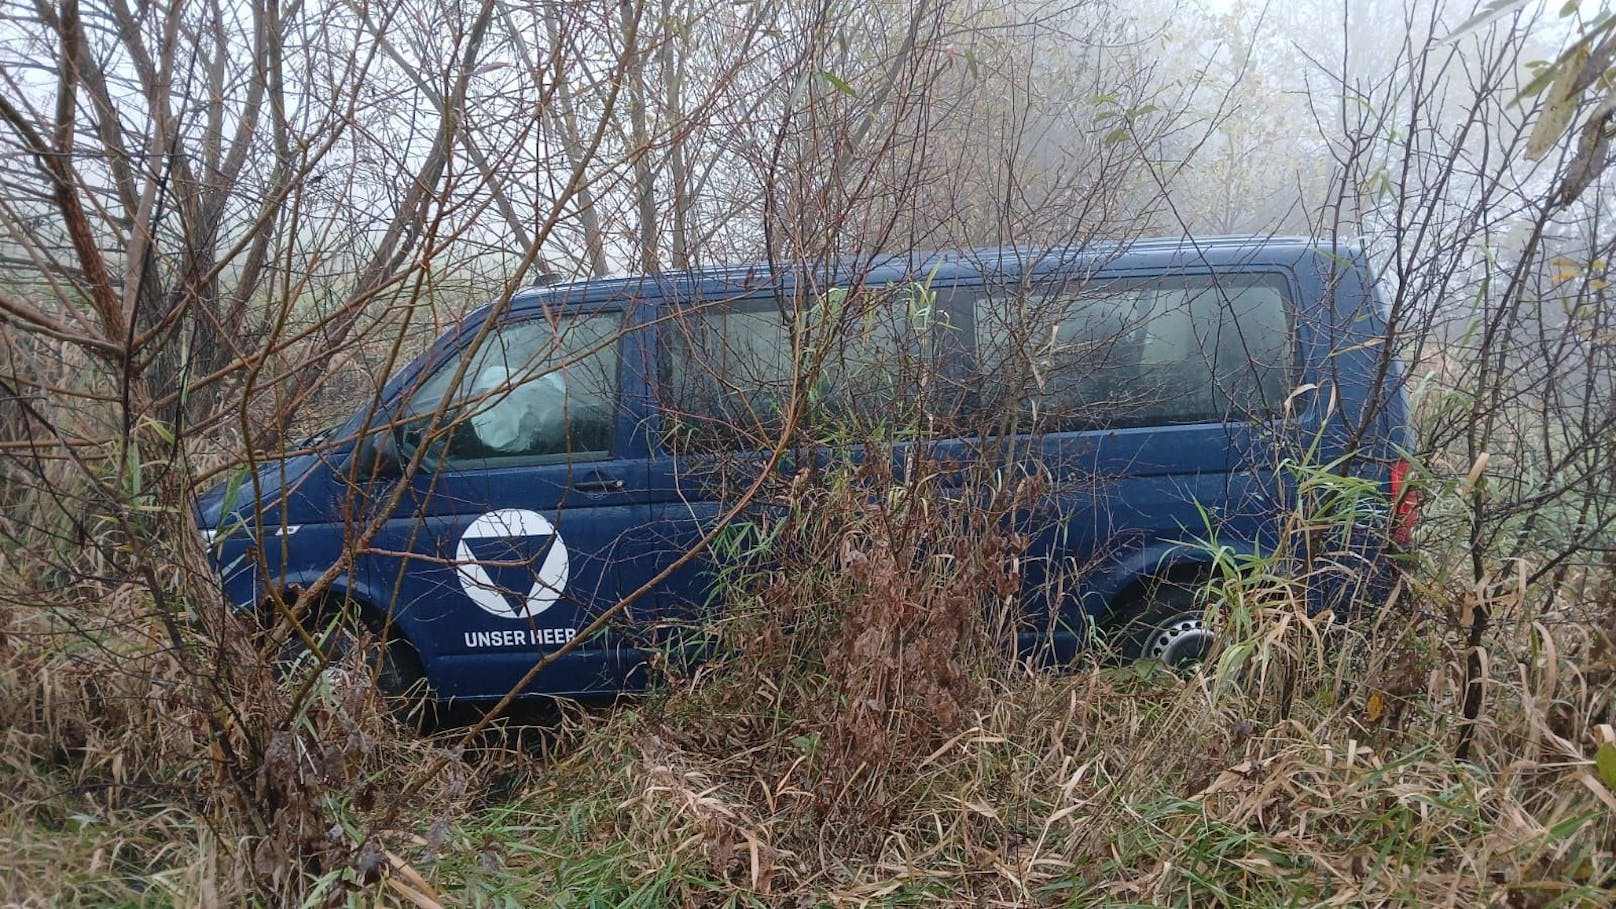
point(1181, 640)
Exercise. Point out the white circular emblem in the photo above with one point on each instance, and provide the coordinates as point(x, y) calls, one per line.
point(512, 563)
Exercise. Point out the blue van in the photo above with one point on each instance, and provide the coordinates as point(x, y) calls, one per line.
point(556, 452)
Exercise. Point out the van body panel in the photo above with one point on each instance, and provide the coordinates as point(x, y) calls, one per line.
point(1122, 504)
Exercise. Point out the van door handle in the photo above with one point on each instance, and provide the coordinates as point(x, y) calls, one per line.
point(602, 484)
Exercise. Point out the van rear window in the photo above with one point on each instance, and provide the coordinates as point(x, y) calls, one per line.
point(1170, 350)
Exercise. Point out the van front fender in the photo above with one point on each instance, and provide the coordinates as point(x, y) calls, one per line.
point(1130, 572)
point(345, 587)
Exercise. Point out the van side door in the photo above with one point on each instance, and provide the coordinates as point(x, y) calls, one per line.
point(727, 371)
point(723, 378)
point(511, 537)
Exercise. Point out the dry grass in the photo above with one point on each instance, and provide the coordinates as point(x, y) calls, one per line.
point(1309, 765)
point(1113, 785)
point(1102, 787)
point(115, 789)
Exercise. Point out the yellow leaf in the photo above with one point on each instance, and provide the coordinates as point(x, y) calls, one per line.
point(1559, 104)
point(1375, 706)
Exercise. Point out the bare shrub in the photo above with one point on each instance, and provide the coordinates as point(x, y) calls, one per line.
point(221, 227)
point(871, 616)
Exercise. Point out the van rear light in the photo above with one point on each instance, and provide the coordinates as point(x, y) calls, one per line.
point(1405, 504)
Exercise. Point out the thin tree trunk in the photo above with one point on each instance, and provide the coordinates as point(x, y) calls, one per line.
point(639, 137)
point(565, 120)
point(673, 75)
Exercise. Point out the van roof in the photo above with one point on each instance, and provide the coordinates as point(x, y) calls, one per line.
point(1146, 254)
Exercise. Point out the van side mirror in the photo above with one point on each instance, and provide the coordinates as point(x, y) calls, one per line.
point(379, 456)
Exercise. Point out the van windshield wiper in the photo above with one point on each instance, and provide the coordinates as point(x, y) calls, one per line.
point(318, 437)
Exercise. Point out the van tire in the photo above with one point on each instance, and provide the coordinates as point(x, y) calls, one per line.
point(401, 684)
point(1166, 623)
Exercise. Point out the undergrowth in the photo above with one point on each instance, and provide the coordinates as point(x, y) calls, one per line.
point(864, 736)
point(1105, 786)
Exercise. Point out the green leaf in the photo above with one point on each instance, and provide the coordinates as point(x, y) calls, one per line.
point(1605, 761)
point(232, 491)
point(1574, 56)
point(1485, 15)
point(838, 83)
point(163, 430)
point(133, 469)
point(1546, 72)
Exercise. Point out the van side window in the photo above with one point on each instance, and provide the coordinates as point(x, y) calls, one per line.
point(727, 367)
point(537, 390)
point(1119, 353)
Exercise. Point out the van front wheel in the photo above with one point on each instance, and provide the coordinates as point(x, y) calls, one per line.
point(1169, 625)
point(351, 644)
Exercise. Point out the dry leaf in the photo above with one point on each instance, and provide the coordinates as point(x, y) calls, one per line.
point(1375, 707)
